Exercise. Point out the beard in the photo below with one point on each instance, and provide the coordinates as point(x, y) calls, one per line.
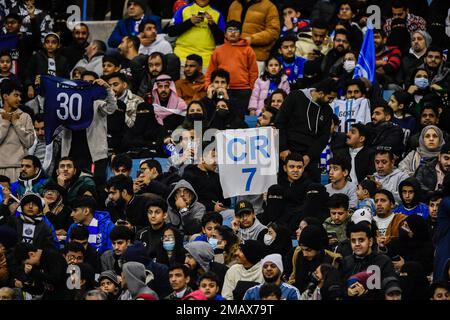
point(272, 279)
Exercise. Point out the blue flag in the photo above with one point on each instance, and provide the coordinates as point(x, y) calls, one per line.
point(68, 103)
point(365, 67)
point(8, 41)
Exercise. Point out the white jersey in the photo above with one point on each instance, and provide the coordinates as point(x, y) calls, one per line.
point(351, 111)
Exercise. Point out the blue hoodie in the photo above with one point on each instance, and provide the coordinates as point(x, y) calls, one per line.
point(98, 236)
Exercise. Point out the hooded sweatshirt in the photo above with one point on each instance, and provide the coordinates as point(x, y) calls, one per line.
point(160, 45)
point(135, 277)
point(255, 232)
point(304, 124)
point(237, 273)
point(188, 221)
point(175, 105)
point(35, 184)
point(391, 182)
point(415, 207)
point(202, 253)
point(239, 60)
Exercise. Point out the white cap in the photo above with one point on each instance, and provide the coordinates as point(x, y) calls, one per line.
point(363, 214)
point(274, 258)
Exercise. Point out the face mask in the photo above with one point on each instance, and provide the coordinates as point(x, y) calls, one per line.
point(196, 116)
point(168, 245)
point(222, 113)
point(213, 242)
point(268, 239)
point(421, 83)
point(349, 65)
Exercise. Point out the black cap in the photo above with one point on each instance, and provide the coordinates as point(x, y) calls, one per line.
point(243, 206)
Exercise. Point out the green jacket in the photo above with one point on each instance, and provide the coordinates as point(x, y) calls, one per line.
point(339, 229)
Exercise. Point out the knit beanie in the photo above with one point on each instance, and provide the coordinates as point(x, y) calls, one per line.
point(313, 237)
point(253, 251)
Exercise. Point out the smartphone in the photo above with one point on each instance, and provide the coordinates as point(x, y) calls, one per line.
point(201, 13)
point(332, 235)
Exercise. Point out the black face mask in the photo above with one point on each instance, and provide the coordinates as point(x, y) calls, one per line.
point(222, 113)
point(196, 116)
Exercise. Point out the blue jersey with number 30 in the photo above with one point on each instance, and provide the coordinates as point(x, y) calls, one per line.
point(68, 103)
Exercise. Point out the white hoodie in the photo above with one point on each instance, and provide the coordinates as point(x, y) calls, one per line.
point(160, 45)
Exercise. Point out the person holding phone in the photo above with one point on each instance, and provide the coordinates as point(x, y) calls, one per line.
point(336, 224)
point(198, 28)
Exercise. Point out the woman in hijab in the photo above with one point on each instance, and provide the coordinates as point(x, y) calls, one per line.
point(195, 112)
point(431, 141)
point(277, 239)
point(274, 206)
point(413, 244)
point(315, 204)
point(399, 36)
point(225, 118)
point(146, 136)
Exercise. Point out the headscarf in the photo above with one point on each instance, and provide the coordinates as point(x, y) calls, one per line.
point(428, 153)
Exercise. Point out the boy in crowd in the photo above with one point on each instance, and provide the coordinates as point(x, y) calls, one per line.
point(209, 285)
point(210, 222)
point(433, 205)
point(365, 192)
point(410, 193)
point(336, 224)
point(238, 58)
point(292, 65)
point(339, 171)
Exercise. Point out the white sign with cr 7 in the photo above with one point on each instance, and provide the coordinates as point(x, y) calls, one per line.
point(248, 160)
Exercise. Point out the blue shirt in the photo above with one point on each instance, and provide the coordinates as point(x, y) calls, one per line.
point(293, 70)
point(68, 103)
point(421, 210)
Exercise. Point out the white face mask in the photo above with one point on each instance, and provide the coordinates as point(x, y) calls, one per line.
point(349, 65)
point(268, 239)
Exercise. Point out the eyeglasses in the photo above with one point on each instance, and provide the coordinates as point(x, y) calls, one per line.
point(233, 30)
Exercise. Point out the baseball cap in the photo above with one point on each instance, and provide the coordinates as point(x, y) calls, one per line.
point(243, 206)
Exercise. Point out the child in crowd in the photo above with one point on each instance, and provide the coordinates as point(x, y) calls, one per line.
point(339, 172)
point(336, 224)
point(272, 79)
point(365, 193)
point(292, 65)
point(410, 193)
point(209, 285)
